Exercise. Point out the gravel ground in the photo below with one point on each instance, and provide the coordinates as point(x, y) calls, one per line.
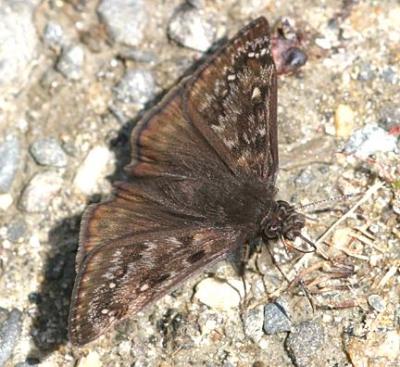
point(75, 76)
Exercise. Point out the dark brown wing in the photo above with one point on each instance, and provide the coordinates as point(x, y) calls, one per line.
point(119, 279)
point(226, 109)
point(135, 208)
point(232, 100)
point(165, 144)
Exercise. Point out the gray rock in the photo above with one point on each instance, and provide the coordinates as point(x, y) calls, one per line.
point(18, 40)
point(125, 20)
point(40, 191)
point(71, 62)
point(138, 55)
point(253, 324)
point(16, 229)
point(10, 331)
point(275, 319)
point(366, 72)
point(304, 342)
point(53, 34)
point(196, 3)
point(369, 140)
point(193, 28)
point(377, 302)
point(304, 178)
point(136, 86)
point(389, 116)
point(47, 152)
point(9, 160)
point(390, 75)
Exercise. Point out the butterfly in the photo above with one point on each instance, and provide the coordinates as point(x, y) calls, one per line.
point(204, 166)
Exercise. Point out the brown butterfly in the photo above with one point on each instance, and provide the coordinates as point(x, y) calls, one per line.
point(204, 164)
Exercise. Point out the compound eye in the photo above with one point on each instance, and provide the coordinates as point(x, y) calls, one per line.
point(272, 231)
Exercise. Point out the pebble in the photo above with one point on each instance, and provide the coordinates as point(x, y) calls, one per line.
point(91, 360)
point(19, 41)
point(9, 160)
point(126, 20)
point(136, 86)
point(341, 238)
point(304, 342)
point(192, 28)
point(366, 72)
point(148, 57)
point(344, 121)
point(16, 229)
point(221, 295)
point(253, 324)
point(369, 140)
point(48, 152)
point(275, 319)
point(5, 201)
point(389, 116)
point(53, 35)
point(39, 192)
point(250, 7)
point(305, 177)
point(377, 302)
point(71, 62)
point(10, 330)
point(389, 75)
point(376, 347)
point(91, 170)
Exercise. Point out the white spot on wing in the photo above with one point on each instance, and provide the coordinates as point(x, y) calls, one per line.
point(256, 93)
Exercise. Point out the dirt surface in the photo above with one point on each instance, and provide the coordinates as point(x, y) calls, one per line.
point(84, 85)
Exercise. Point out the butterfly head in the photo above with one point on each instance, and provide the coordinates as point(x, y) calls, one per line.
point(283, 221)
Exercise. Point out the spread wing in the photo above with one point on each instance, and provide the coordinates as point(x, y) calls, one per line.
point(232, 100)
point(223, 117)
point(120, 278)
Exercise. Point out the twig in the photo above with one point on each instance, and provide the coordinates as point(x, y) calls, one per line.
point(374, 188)
point(366, 196)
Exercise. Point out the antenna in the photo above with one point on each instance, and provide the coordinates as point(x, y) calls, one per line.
point(331, 199)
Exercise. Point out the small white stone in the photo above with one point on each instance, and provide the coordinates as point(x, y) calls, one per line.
point(71, 62)
point(221, 295)
point(344, 121)
point(92, 169)
point(5, 201)
point(91, 360)
point(42, 188)
point(125, 20)
point(323, 43)
point(193, 28)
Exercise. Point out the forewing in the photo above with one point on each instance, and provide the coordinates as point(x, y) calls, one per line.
point(119, 279)
point(165, 144)
point(232, 100)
